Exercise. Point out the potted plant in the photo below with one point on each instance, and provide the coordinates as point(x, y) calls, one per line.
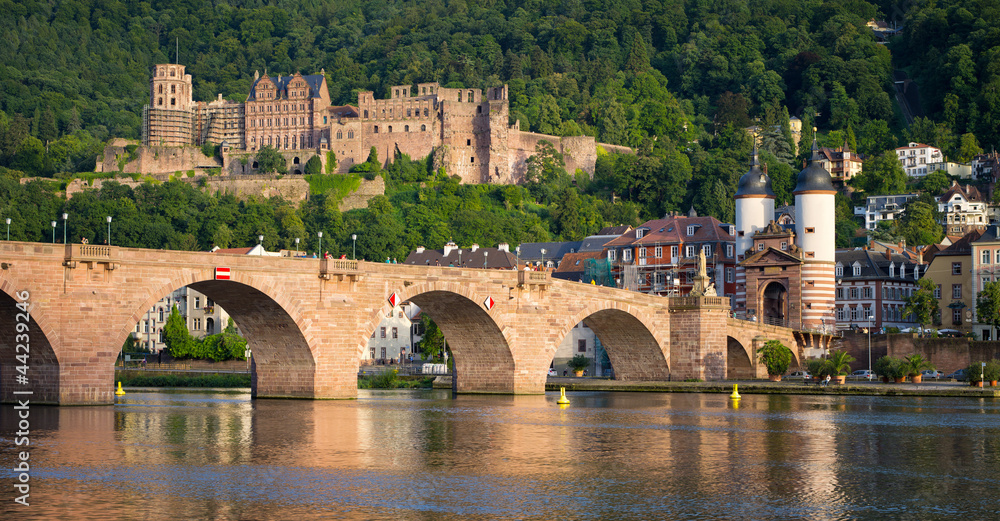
point(817, 368)
point(577, 364)
point(839, 365)
point(975, 373)
point(898, 370)
point(914, 365)
point(883, 368)
point(992, 372)
point(776, 357)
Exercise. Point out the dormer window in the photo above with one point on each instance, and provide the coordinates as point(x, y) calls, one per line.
point(902, 271)
point(732, 230)
point(840, 270)
point(639, 233)
point(892, 269)
point(857, 269)
point(690, 230)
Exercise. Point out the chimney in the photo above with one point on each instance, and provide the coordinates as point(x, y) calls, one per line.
point(450, 247)
point(420, 249)
point(503, 246)
point(888, 255)
point(474, 247)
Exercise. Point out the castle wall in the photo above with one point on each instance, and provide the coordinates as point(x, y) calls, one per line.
point(579, 152)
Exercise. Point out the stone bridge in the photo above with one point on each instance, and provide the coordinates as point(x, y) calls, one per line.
point(308, 320)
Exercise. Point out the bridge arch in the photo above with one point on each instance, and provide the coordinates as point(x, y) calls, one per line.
point(483, 360)
point(42, 373)
point(629, 336)
point(284, 357)
point(739, 360)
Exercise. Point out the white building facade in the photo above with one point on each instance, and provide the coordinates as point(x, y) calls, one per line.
point(882, 208)
point(202, 315)
point(917, 157)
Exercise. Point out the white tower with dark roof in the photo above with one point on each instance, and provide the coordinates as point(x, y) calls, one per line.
point(754, 209)
point(815, 235)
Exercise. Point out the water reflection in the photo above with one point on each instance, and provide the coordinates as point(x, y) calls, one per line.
point(426, 455)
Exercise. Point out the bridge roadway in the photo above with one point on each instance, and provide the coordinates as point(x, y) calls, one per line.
point(308, 320)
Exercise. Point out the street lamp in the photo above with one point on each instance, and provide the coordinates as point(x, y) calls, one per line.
point(517, 260)
point(871, 325)
point(65, 225)
point(354, 246)
point(296, 246)
point(321, 243)
point(543, 258)
point(53, 232)
point(109, 230)
point(459, 258)
point(485, 254)
point(8, 228)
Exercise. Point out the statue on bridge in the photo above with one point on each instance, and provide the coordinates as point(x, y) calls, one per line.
point(702, 287)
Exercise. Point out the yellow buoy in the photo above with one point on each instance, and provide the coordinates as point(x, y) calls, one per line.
point(735, 395)
point(562, 397)
point(120, 391)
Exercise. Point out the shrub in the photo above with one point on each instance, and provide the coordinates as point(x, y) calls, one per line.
point(818, 368)
point(776, 357)
point(314, 166)
point(578, 363)
point(975, 372)
point(331, 162)
point(992, 372)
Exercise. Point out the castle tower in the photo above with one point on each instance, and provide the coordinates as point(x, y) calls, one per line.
point(815, 236)
point(168, 119)
point(754, 209)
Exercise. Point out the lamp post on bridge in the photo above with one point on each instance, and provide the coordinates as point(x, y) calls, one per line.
point(8, 228)
point(517, 259)
point(53, 232)
point(296, 246)
point(109, 230)
point(354, 246)
point(65, 225)
point(321, 244)
point(485, 255)
point(543, 258)
point(871, 325)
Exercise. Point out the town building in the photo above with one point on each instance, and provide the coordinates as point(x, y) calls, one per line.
point(466, 130)
point(395, 338)
point(882, 208)
point(581, 340)
point(915, 158)
point(872, 287)
point(951, 271)
point(960, 170)
point(985, 269)
point(499, 258)
point(661, 256)
point(202, 315)
point(962, 208)
point(986, 166)
point(786, 276)
point(842, 164)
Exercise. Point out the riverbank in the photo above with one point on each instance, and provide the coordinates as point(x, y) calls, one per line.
point(200, 379)
point(949, 388)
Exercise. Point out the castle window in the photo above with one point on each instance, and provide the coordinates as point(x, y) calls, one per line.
point(468, 142)
point(390, 129)
point(350, 134)
point(423, 128)
point(324, 120)
point(366, 114)
point(784, 245)
point(425, 113)
point(340, 135)
point(160, 101)
point(173, 89)
point(406, 128)
point(397, 93)
point(479, 110)
point(161, 89)
point(376, 129)
point(459, 95)
point(425, 90)
point(408, 112)
point(171, 73)
point(810, 230)
point(173, 101)
point(472, 159)
point(470, 96)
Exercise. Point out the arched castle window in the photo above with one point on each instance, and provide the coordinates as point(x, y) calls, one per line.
point(340, 135)
point(366, 113)
point(160, 101)
point(471, 96)
point(406, 128)
point(459, 95)
point(423, 128)
point(376, 129)
point(397, 93)
point(350, 134)
point(479, 110)
point(408, 111)
point(161, 89)
point(390, 129)
point(472, 159)
point(425, 113)
point(173, 101)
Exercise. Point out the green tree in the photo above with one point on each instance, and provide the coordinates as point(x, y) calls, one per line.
point(776, 357)
point(432, 342)
point(921, 304)
point(919, 224)
point(988, 304)
point(314, 166)
point(331, 162)
point(177, 337)
point(882, 175)
point(935, 183)
point(968, 148)
point(269, 161)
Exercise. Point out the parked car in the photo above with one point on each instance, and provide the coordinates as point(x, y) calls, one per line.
point(929, 373)
point(951, 333)
point(958, 375)
point(552, 372)
point(800, 374)
point(862, 374)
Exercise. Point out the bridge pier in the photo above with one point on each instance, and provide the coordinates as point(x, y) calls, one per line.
point(698, 345)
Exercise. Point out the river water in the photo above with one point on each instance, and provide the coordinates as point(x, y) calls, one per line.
point(425, 455)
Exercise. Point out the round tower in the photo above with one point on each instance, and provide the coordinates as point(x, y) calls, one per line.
point(815, 236)
point(754, 204)
point(754, 210)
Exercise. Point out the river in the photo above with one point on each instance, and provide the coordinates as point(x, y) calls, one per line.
point(425, 455)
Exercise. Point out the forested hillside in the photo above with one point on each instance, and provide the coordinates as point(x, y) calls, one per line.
point(675, 79)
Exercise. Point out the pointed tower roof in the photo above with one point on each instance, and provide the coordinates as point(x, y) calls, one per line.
point(756, 182)
point(814, 178)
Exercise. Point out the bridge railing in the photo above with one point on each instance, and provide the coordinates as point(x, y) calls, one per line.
point(536, 278)
point(339, 269)
point(94, 253)
point(779, 322)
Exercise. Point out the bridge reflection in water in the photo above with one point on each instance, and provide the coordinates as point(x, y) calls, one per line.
point(420, 455)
